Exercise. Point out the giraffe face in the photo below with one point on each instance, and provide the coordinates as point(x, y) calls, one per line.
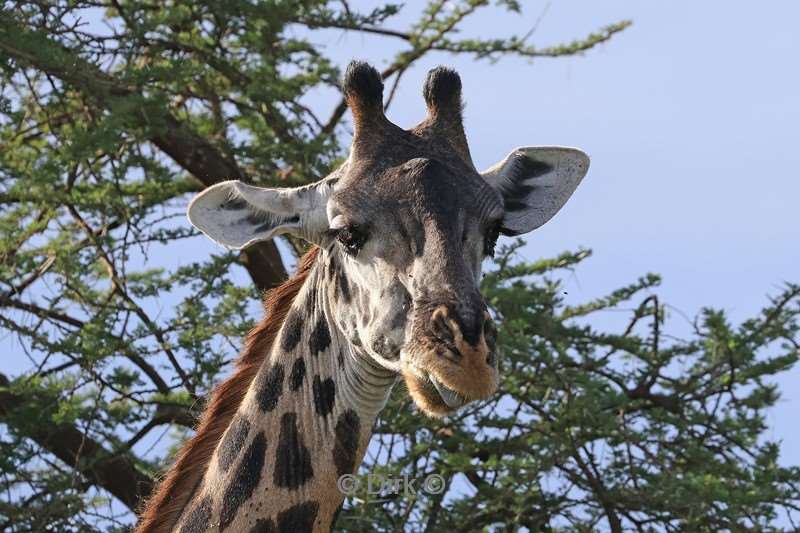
point(405, 225)
point(410, 235)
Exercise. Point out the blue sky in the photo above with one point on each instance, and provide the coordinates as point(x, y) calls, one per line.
point(691, 118)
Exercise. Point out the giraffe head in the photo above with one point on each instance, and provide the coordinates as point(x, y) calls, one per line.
point(404, 225)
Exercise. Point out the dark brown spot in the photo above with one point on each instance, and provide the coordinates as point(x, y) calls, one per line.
point(298, 374)
point(346, 444)
point(263, 525)
point(232, 442)
point(324, 395)
point(293, 461)
point(311, 303)
point(198, 517)
point(292, 329)
point(245, 480)
point(271, 388)
point(320, 337)
point(298, 518)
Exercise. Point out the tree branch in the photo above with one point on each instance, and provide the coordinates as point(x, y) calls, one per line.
point(114, 472)
point(32, 49)
point(128, 351)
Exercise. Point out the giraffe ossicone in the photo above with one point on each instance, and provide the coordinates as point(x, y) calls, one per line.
point(389, 292)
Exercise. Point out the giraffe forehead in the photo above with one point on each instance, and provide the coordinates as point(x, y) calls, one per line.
point(425, 189)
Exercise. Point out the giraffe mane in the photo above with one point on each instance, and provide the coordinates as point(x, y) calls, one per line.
point(161, 512)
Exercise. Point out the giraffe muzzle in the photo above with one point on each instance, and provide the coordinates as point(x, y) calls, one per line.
point(452, 361)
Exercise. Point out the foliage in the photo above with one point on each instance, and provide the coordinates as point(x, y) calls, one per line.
point(120, 319)
point(593, 430)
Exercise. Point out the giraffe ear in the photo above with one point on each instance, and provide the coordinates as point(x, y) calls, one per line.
point(535, 182)
point(237, 215)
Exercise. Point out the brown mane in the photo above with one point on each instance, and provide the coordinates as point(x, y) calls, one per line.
point(163, 509)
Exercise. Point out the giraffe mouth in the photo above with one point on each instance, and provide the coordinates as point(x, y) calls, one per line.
point(451, 398)
point(431, 395)
point(441, 379)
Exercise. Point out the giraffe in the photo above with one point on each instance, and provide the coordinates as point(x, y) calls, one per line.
point(387, 293)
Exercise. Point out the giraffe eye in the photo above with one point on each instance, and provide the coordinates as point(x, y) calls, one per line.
point(351, 238)
point(491, 240)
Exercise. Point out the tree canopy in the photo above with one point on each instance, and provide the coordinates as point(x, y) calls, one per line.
point(113, 113)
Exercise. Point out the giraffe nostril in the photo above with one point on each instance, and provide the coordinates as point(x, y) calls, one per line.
point(490, 359)
point(441, 327)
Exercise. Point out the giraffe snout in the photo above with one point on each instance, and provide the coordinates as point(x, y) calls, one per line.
point(452, 360)
point(470, 337)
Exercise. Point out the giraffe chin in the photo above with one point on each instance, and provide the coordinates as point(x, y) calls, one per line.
point(437, 396)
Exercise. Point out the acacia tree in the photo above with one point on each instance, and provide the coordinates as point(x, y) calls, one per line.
point(107, 127)
point(635, 430)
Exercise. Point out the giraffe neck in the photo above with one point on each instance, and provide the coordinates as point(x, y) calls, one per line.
point(305, 421)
